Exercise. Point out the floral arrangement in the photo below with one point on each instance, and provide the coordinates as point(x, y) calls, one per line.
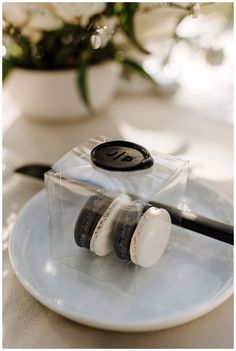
point(71, 35)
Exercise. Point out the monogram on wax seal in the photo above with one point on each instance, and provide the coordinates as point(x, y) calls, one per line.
point(121, 155)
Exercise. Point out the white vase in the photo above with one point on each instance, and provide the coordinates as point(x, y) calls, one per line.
point(54, 95)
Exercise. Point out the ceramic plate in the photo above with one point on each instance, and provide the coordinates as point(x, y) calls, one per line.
point(194, 276)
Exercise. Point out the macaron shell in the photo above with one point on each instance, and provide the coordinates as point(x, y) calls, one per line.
point(151, 237)
point(101, 241)
point(124, 227)
point(88, 218)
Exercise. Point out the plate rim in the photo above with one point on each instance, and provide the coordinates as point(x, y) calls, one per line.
point(151, 325)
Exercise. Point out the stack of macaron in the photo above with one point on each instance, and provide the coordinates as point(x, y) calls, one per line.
point(135, 231)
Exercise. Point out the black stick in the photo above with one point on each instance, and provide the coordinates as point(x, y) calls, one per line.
point(185, 219)
point(206, 226)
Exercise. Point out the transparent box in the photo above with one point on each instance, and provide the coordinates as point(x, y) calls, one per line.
point(83, 198)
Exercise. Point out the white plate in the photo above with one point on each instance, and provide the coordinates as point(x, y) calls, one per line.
point(194, 276)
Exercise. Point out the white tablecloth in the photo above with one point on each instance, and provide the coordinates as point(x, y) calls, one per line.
point(166, 125)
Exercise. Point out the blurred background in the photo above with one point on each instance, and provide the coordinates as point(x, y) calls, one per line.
point(188, 54)
point(155, 72)
point(197, 53)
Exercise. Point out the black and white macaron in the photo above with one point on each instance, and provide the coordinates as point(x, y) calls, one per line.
point(137, 232)
point(94, 225)
point(141, 233)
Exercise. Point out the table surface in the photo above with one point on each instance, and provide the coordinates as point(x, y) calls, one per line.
point(166, 125)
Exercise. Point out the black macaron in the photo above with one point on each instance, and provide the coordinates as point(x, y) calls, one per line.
point(89, 217)
point(124, 228)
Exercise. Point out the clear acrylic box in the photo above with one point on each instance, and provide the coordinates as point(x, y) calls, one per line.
point(74, 182)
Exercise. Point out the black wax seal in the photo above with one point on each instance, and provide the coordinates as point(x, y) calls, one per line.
point(120, 155)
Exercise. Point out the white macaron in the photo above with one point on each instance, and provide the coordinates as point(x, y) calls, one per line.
point(150, 237)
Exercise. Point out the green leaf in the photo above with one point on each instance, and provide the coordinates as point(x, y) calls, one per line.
point(138, 68)
point(110, 9)
point(6, 68)
point(126, 13)
point(82, 79)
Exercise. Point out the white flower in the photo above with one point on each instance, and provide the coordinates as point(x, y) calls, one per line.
point(78, 13)
point(33, 18)
point(15, 13)
point(43, 18)
point(38, 16)
point(34, 35)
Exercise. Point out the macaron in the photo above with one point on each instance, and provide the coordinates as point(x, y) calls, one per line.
point(93, 228)
point(141, 234)
point(124, 227)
